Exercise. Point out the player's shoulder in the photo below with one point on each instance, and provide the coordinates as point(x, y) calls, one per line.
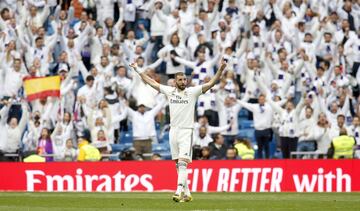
point(194, 89)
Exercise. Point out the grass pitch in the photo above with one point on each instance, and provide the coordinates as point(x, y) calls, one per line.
point(162, 201)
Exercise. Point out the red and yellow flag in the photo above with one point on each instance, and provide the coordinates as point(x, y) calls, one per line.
point(41, 87)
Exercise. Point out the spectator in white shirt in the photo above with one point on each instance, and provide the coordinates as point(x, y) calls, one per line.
point(144, 131)
point(14, 130)
point(176, 48)
point(228, 112)
point(288, 131)
point(263, 115)
point(203, 139)
point(307, 142)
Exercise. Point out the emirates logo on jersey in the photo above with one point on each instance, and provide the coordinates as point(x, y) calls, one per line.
point(179, 100)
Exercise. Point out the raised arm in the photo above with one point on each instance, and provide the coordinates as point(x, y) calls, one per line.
point(146, 78)
point(217, 76)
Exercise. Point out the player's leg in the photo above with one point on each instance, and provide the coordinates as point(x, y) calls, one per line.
point(174, 149)
point(185, 153)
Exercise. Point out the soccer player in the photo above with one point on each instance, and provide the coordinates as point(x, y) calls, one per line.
point(182, 101)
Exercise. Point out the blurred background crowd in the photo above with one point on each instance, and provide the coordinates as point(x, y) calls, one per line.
point(290, 89)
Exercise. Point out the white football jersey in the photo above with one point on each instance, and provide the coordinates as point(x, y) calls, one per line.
point(182, 105)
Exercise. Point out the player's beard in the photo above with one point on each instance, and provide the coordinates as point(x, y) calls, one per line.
point(181, 86)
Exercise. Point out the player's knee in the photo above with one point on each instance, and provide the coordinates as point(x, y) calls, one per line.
point(182, 164)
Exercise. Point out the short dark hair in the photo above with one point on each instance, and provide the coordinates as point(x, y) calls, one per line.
point(179, 74)
point(38, 38)
point(340, 116)
point(90, 78)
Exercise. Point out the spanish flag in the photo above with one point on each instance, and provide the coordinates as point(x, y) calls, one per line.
point(41, 87)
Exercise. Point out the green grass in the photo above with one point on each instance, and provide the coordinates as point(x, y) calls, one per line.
point(162, 201)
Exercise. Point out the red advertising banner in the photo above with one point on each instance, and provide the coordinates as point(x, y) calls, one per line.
point(204, 176)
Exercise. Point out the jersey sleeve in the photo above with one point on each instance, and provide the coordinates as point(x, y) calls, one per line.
point(166, 90)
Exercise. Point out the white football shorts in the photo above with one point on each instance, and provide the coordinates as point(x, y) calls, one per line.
point(181, 140)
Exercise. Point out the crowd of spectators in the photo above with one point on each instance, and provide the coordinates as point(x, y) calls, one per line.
point(293, 64)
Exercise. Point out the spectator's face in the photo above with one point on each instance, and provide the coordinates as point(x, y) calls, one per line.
point(122, 72)
point(17, 65)
point(327, 38)
point(301, 27)
point(83, 16)
point(94, 71)
point(230, 154)
point(69, 144)
point(183, 6)
point(320, 72)
point(90, 83)
point(347, 5)
point(205, 152)
point(274, 86)
point(261, 100)
point(140, 62)
point(33, 11)
point(284, 65)
point(6, 15)
point(322, 118)
point(13, 22)
point(219, 139)
point(202, 132)
point(282, 55)
point(256, 30)
point(175, 39)
point(39, 43)
point(101, 135)
point(197, 28)
point(37, 63)
point(104, 61)
point(44, 133)
point(13, 123)
point(41, 31)
point(308, 113)
point(100, 32)
point(337, 70)
point(175, 13)
point(180, 82)
point(67, 117)
point(309, 12)
point(278, 36)
point(289, 106)
point(131, 35)
point(99, 122)
point(203, 121)
point(102, 104)
point(334, 107)
point(109, 22)
point(201, 57)
point(62, 15)
point(340, 121)
point(356, 121)
point(308, 38)
point(288, 13)
point(141, 109)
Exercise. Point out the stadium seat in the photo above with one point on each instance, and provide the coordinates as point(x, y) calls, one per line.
point(247, 133)
point(165, 155)
point(120, 147)
point(246, 124)
point(165, 137)
point(243, 113)
point(157, 148)
point(126, 137)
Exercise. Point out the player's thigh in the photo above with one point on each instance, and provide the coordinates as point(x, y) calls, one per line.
point(185, 139)
point(174, 148)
